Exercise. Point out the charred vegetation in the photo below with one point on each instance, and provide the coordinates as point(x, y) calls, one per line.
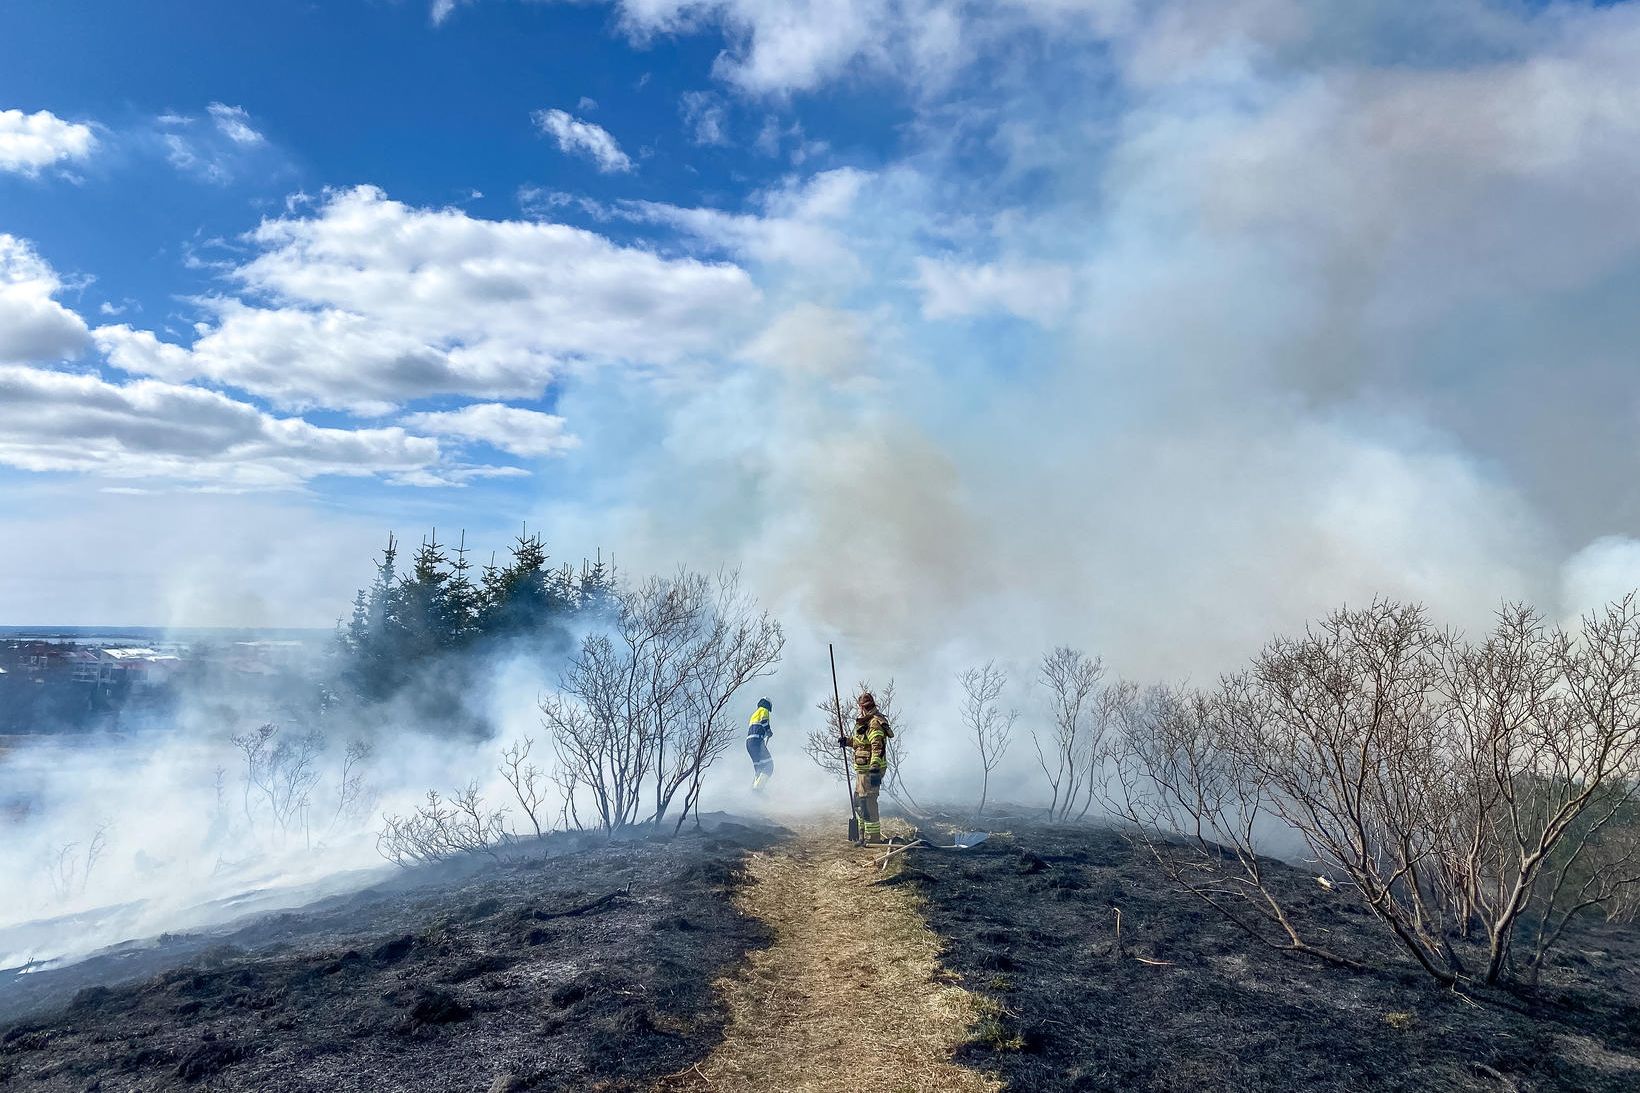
point(572, 963)
point(1098, 973)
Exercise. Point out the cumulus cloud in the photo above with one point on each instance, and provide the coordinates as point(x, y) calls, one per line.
point(34, 327)
point(55, 421)
point(369, 303)
point(508, 428)
point(29, 143)
point(1311, 324)
point(583, 138)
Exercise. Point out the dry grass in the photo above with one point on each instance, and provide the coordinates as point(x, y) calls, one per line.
point(849, 996)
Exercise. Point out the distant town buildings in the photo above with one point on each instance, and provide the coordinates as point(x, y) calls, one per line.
point(50, 684)
point(43, 662)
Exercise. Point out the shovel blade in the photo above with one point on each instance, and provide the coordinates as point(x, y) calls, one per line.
point(854, 829)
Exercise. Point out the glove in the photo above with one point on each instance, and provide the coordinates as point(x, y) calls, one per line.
point(874, 779)
point(844, 742)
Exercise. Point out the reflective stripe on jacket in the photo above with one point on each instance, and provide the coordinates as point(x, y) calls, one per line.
point(871, 735)
point(759, 727)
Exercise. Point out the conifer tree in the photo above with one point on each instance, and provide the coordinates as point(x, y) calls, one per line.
point(463, 598)
point(372, 629)
point(521, 596)
point(425, 622)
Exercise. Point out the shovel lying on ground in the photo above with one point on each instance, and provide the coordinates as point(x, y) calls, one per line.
point(961, 840)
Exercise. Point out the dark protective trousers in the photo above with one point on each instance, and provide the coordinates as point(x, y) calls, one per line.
point(762, 761)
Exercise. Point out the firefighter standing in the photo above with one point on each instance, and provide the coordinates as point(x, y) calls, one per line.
point(759, 730)
point(870, 744)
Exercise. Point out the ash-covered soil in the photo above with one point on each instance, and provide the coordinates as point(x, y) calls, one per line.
point(465, 977)
point(1029, 920)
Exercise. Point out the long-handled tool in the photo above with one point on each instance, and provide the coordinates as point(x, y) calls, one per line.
point(837, 698)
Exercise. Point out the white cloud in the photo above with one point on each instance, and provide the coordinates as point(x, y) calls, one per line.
point(34, 327)
point(1337, 311)
point(1040, 292)
point(29, 143)
point(181, 153)
point(508, 428)
point(798, 226)
point(796, 45)
point(577, 137)
point(226, 149)
point(235, 124)
point(705, 114)
point(369, 303)
point(55, 421)
point(442, 9)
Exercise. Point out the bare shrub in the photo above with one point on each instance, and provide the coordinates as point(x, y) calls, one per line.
point(1076, 758)
point(440, 829)
point(1341, 728)
point(353, 794)
point(1469, 792)
point(991, 728)
point(69, 868)
point(529, 784)
point(1195, 806)
point(1548, 727)
point(279, 774)
point(640, 713)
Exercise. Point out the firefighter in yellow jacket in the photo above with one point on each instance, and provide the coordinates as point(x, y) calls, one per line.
point(870, 743)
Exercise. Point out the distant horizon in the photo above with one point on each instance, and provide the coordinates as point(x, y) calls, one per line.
point(54, 630)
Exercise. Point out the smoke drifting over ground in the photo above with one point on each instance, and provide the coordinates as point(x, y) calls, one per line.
point(1170, 327)
point(1278, 322)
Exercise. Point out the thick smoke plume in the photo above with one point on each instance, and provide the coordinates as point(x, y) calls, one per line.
point(1169, 328)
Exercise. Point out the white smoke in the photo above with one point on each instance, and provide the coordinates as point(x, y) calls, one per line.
point(1157, 336)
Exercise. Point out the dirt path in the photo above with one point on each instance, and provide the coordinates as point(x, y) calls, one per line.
point(849, 997)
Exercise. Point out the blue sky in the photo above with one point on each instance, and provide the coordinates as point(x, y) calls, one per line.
point(1258, 304)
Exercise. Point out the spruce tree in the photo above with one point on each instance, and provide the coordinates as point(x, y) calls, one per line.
point(463, 597)
point(426, 620)
point(373, 660)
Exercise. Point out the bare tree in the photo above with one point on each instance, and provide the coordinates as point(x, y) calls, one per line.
point(441, 829)
point(1195, 807)
point(734, 644)
point(279, 776)
point(353, 796)
point(1546, 724)
point(1469, 792)
point(1110, 710)
point(528, 782)
point(1341, 727)
point(1077, 754)
point(640, 713)
point(70, 866)
point(991, 727)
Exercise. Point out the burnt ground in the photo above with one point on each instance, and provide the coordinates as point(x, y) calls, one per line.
point(466, 977)
point(1029, 922)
